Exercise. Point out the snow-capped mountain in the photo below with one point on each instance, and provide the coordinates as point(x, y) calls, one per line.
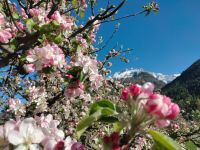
point(141, 74)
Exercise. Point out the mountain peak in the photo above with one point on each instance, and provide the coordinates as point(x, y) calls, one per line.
point(135, 72)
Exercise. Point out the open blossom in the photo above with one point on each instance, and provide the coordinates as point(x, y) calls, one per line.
point(34, 134)
point(75, 91)
point(66, 23)
point(47, 56)
point(89, 65)
point(28, 136)
point(16, 107)
point(4, 131)
point(38, 95)
point(96, 81)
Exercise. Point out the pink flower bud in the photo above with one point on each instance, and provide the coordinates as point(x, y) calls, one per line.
point(29, 68)
point(162, 123)
point(115, 138)
point(20, 25)
point(125, 94)
point(106, 139)
point(135, 90)
point(34, 12)
point(154, 103)
point(116, 148)
point(60, 145)
point(174, 111)
point(148, 88)
point(56, 16)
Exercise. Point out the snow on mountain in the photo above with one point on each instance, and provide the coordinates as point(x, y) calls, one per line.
point(128, 73)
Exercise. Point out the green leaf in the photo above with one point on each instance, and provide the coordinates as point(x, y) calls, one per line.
point(48, 70)
point(75, 3)
point(163, 141)
point(99, 111)
point(56, 23)
point(190, 145)
point(58, 39)
point(15, 16)
point(84, 124)
point(30, 24)
point(117, 127)
point(102, 104)
point(108, 119)
point(82, 76)
point(13, 44)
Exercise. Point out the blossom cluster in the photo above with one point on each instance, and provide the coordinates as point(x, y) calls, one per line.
point(47, 56)
point(160, 108)
point(89, 67)
point(36, 133)
point(5, 32)
point(16, 107)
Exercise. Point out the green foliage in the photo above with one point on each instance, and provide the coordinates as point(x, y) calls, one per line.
point(163, 142)
point(30, 24)
point(100, 111)
point(190, 145)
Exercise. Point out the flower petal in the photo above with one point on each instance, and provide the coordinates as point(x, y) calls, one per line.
point(15, 138)
point(21, 147)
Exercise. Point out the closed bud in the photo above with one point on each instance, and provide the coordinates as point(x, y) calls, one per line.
point(135, 90)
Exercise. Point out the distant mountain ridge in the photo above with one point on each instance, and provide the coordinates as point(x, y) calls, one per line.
point(188, 81)
point(185, 90)
point(141, 76)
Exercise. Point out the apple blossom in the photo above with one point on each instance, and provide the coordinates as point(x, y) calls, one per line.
point(28, 136)
point(29, 68)
point(5, 36)
point(47, 56)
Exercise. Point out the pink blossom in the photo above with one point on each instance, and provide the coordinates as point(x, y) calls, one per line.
point(162, 123)
point(5, 35)
point(28, 136)
point(16, 106)
point(47, 56)
point(29, 68)
point(34, 12)
point(154, 104)
point(125, 94)
point(23, 14)
point(73, 92)
point(174, 111)
point(56, 16)
point(78, 146)
point(20, 25)
point(96, 81)
point(148, 88)
point(135, 90)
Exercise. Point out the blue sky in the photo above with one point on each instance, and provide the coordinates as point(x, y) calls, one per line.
point(168, 42)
